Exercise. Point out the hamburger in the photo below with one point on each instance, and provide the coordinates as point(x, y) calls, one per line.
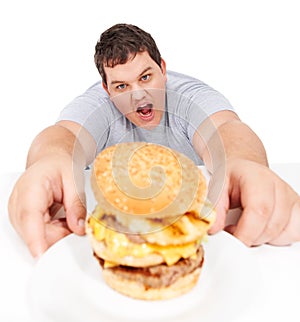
point(150, 220)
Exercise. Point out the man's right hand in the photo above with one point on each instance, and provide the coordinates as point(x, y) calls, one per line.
point(52, 183)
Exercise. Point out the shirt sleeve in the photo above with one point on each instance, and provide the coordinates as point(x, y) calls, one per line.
point(195, 102)
point(202, 105)
point(92, 111)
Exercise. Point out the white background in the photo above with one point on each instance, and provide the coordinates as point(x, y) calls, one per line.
point(248, 50)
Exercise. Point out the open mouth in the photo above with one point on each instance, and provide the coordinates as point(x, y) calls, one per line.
point(146, 112)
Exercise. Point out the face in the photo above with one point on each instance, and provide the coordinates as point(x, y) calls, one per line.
point(137, 88)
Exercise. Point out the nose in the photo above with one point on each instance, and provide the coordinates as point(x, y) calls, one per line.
point(138, 93)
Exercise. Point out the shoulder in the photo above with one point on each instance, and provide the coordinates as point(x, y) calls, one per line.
point(181, 82)
point(90, 103)
point(186, 94)
point(96, 92)
point(193, 89)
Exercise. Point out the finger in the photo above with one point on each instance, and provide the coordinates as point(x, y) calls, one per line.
point(257, 209)
point(39, 236)
point(279, 218)
point(33, 233)
point(256, 212)
point(75, 205)
point(56, 230)
point(218, 196)
point(253, 222)
point(221, 210)
point(291, 232)
point(76, 214)
point(12, 209)
point(230, 229)
point(28, 221)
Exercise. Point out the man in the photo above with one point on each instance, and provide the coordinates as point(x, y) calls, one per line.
point(141, 101)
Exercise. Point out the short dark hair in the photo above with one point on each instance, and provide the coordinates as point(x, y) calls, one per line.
point(119, 43)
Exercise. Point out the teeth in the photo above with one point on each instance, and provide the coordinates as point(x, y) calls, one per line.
point(142, 106)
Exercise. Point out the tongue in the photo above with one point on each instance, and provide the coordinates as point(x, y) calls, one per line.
point(145, 110)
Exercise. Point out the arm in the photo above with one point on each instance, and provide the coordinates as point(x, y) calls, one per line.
point(237, 160)
point(53, 180)
point(224, 136)
point(64, 137)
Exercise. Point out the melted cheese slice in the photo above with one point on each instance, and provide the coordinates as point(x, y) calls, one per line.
point(121, 246)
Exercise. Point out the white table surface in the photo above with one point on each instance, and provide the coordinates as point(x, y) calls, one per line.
point(278, 298)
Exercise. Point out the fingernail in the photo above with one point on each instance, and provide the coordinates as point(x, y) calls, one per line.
point(81, 223)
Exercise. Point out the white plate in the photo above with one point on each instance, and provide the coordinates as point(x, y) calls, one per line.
point(67, 286)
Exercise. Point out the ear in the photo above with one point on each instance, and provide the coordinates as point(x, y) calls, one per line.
point(105, 88)
point(163, 68)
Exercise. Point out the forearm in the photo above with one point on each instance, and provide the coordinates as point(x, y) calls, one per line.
point(56, 140)
point(223, 137)
point(233, 140)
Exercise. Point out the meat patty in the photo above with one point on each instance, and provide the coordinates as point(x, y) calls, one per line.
point(160, 275)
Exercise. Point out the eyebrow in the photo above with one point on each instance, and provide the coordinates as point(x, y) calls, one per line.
point(121, 82)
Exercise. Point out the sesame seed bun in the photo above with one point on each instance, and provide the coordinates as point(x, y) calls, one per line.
point(147, 180)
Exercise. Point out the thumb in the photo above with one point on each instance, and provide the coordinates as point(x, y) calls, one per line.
point(75, 203)
point(76, 213)
point(75, 208)
point(218, 196)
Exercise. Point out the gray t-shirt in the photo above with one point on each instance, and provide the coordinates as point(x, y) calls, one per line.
point(188, 103)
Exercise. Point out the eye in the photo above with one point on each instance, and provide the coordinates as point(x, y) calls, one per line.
point(145, 77)
point(121, 86)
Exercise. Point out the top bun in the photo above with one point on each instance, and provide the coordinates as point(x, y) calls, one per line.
point(148, 180)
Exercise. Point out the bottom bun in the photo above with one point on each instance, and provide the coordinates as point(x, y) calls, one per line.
point(139, 291)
